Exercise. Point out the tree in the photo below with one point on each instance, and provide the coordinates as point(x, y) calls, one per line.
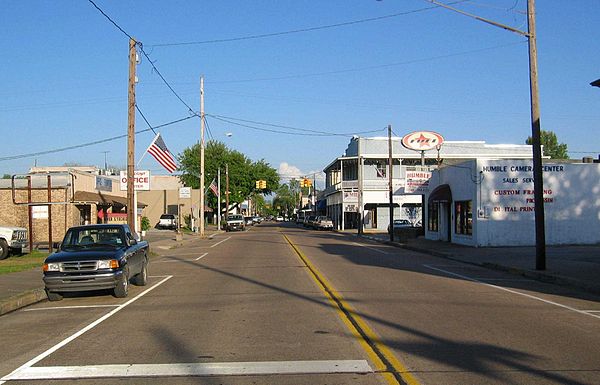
point(551, 146)
point(243, 173)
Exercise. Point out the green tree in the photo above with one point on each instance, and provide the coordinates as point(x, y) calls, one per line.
point(243, 173)
point(551, 146)
point(284, 200)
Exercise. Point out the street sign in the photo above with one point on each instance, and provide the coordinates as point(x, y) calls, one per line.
point(422, 140)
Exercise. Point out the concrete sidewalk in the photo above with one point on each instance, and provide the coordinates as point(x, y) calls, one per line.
point(24, 288)
point(574, 266)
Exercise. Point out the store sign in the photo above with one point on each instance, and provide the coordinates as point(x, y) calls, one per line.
point(39, 212)
point(104, 184)
point(416, 182)
point(350, 208)
point(350, 196)
point(185, 193)
point(422, 140)
point(141, 180)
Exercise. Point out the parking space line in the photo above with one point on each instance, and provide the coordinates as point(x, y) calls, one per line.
point(89, 327)
point(218, 243)
point(514, 292)
point(200, 257)
point(69, 307)
point(194, 369)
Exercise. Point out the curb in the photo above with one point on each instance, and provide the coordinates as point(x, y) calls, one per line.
point(535, 275)
point(21, 300)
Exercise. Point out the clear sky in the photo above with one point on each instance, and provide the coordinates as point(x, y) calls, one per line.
point(401, 62)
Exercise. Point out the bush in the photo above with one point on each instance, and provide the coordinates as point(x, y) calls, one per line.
point(145, 224)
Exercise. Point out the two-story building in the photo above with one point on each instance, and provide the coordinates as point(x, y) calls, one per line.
point(357, 183)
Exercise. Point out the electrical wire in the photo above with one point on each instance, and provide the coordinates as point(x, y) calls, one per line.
point(145, 120)
point(141, 48)
point(208, 128)
point(307, 132)
point(74, 147)
point(309, 29)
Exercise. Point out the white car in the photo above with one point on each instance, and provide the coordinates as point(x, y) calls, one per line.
point(279, 218)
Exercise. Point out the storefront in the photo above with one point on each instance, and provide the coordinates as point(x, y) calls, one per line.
point(491, 203)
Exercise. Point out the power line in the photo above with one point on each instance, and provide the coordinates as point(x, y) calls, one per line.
point(74, 147)
point(208, 128)
point(144, 117)
point(111, 20)
point(294, 31)
point(141, 48)
point(308, 132)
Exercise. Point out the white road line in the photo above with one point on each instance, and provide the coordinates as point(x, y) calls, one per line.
point(178, 255)
point(200, 257)
point(64, 342)
point(69, 307)
point(193, 369)
point(370, 248)
point(218, 243)
point(515, 292)
point(591, 311)
point(503, 279)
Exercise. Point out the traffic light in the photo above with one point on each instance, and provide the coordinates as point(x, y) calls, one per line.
point(261, 184)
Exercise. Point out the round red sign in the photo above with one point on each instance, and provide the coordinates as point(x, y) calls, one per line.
point(422, 140)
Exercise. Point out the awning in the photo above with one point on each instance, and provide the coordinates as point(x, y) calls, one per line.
point(102, 199)
point(441, 193)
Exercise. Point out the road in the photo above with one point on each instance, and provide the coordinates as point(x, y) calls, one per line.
point(280, 304)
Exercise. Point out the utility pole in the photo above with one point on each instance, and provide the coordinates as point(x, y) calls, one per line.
point(360, 190)
point(131, 209)
point(390, 186)
point(538, 179)
point(219, 198)
point(202, 156)
point(105, 163)
point(226, 191)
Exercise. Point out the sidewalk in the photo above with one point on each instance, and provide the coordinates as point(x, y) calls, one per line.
point(574, 266)
point(24, 288)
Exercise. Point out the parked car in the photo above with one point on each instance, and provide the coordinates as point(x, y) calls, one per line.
point(248, 221)
point(323, 223)
point(279, 218)
point(12, 240)
point(235, 222)
point(96, 257)
point(167, 221)
point(309, 221)
point(400, 224)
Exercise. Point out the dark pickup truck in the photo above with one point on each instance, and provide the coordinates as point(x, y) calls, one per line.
point(96, 257)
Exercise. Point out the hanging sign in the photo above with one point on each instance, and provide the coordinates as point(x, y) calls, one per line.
point(422, 140)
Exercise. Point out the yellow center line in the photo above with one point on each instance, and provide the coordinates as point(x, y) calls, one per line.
point(383, 359)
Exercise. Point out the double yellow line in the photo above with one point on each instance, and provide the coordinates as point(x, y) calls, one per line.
point(383, 359)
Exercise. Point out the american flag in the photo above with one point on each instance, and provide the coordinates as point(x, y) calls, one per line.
point(158, 149)
point(213, 187)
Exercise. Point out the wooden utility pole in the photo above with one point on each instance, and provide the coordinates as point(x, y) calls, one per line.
point(226, 191)
point(131, 209)
point(390, 185)
point(538, 178)
point(360, 189)
point(201, 156)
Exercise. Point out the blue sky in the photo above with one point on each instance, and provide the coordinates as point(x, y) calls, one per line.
point(65, 69)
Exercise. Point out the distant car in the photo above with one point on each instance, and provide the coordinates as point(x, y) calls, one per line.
point(248, 221)
point(235, 222)
point(309, 220)
point(167, 221)
point(400, 224)
point(323, 223)
point(279, 218)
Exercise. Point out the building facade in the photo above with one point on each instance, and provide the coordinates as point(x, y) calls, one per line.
point(487, 202)
point(357, 183)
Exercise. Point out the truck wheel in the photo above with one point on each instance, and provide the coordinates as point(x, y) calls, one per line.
point(122, 288)
point(18, 251)
point(141, 279)
point(53, 296)
point(3, 249)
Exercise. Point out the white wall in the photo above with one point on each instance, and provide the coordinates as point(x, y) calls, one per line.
point(571, 194)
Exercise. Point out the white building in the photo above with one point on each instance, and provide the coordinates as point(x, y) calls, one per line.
point(488, 202)
point(345, 180)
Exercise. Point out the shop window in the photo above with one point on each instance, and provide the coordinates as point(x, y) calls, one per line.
point(433, 217)
point(463, 217)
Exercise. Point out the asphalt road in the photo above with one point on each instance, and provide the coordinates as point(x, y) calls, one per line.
point(280, 304)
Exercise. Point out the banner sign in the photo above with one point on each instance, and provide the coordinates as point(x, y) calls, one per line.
point(416, 182)
point(104, 184)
